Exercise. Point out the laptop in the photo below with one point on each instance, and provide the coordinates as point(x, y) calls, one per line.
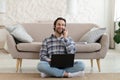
point(62, 60)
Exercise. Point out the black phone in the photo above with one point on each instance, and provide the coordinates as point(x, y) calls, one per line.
point(63, 31)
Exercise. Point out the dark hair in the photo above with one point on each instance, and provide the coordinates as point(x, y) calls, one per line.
point(59, 18)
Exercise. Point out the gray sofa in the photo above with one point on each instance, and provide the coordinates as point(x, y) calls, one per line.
point(39, 32)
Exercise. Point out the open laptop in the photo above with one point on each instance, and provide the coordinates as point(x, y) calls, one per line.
point(62, 60)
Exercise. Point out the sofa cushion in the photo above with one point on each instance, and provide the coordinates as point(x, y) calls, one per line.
point(93, 35)
point(87, 47)
point(11, 28)
point(19, 33)
point(81, 47)
point(33, 46)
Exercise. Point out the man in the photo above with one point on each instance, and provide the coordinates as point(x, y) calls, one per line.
point(58, 43)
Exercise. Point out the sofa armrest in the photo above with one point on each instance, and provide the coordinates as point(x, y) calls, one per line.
point(104, 41)
point(11, 46)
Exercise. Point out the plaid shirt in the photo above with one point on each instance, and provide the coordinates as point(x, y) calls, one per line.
point(54, 45)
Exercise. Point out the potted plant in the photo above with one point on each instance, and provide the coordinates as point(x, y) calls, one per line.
point(117, 35)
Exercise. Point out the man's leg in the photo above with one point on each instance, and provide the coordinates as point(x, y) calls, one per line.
point(78, 66)
point(76, 70)
point(44, 67)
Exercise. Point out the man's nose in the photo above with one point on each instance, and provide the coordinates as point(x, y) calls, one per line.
point(60, 26)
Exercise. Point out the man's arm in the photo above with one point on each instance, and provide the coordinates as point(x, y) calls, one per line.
point(43, 52)
point(70, 45)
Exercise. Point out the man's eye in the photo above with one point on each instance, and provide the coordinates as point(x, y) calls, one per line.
point(63, 24)
point(58, 24)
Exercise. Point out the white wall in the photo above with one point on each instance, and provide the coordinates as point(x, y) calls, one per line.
point(99, 12)
point(89, 11)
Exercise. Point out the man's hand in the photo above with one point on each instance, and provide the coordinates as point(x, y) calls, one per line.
point(49, 61)
point(65, 33)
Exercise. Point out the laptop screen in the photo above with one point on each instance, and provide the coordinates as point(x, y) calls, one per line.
point(62, 60)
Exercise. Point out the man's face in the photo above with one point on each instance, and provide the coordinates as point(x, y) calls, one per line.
point(60, 25)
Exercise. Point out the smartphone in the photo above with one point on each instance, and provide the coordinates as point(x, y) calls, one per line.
point(63, 31)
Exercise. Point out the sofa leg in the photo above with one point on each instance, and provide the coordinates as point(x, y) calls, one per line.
point(91, 60)
point(98, 64)
point(18, 64)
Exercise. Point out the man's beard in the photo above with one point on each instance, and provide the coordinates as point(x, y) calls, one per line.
point(59, 32)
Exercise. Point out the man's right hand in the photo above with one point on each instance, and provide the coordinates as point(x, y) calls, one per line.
point(49, 61)
point(65, 34)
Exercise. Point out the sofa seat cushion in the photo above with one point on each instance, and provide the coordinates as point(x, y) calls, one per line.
point(89, 47)
point(35, 47)
point(29, 47)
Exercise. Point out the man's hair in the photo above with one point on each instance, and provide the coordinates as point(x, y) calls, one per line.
point(59, 18)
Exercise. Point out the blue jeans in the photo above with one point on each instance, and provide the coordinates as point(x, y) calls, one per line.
point(52, 71)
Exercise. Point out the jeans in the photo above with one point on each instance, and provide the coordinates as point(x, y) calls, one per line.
point(52, 71)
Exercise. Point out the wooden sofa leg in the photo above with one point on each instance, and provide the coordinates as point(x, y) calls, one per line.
point(91, 60)
point(18, 64)
point(98, 64)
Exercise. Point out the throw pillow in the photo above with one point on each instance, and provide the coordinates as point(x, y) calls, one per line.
point(93, 35)
point(16, 41)
point(20, 34)
point(11, 27)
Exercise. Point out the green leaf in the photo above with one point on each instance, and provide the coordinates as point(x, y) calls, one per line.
point(117, 39)
point(117, 31)
point(119, 24)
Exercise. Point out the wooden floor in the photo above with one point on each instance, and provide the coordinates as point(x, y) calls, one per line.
point(36, 76)
point(111, 64)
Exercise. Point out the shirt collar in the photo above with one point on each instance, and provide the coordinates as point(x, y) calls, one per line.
point(53, 36)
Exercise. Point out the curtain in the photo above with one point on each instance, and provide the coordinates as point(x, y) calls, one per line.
point(117, 10)
point(114, 15)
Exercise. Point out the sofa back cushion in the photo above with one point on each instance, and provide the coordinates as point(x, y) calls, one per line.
point(40, 31)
